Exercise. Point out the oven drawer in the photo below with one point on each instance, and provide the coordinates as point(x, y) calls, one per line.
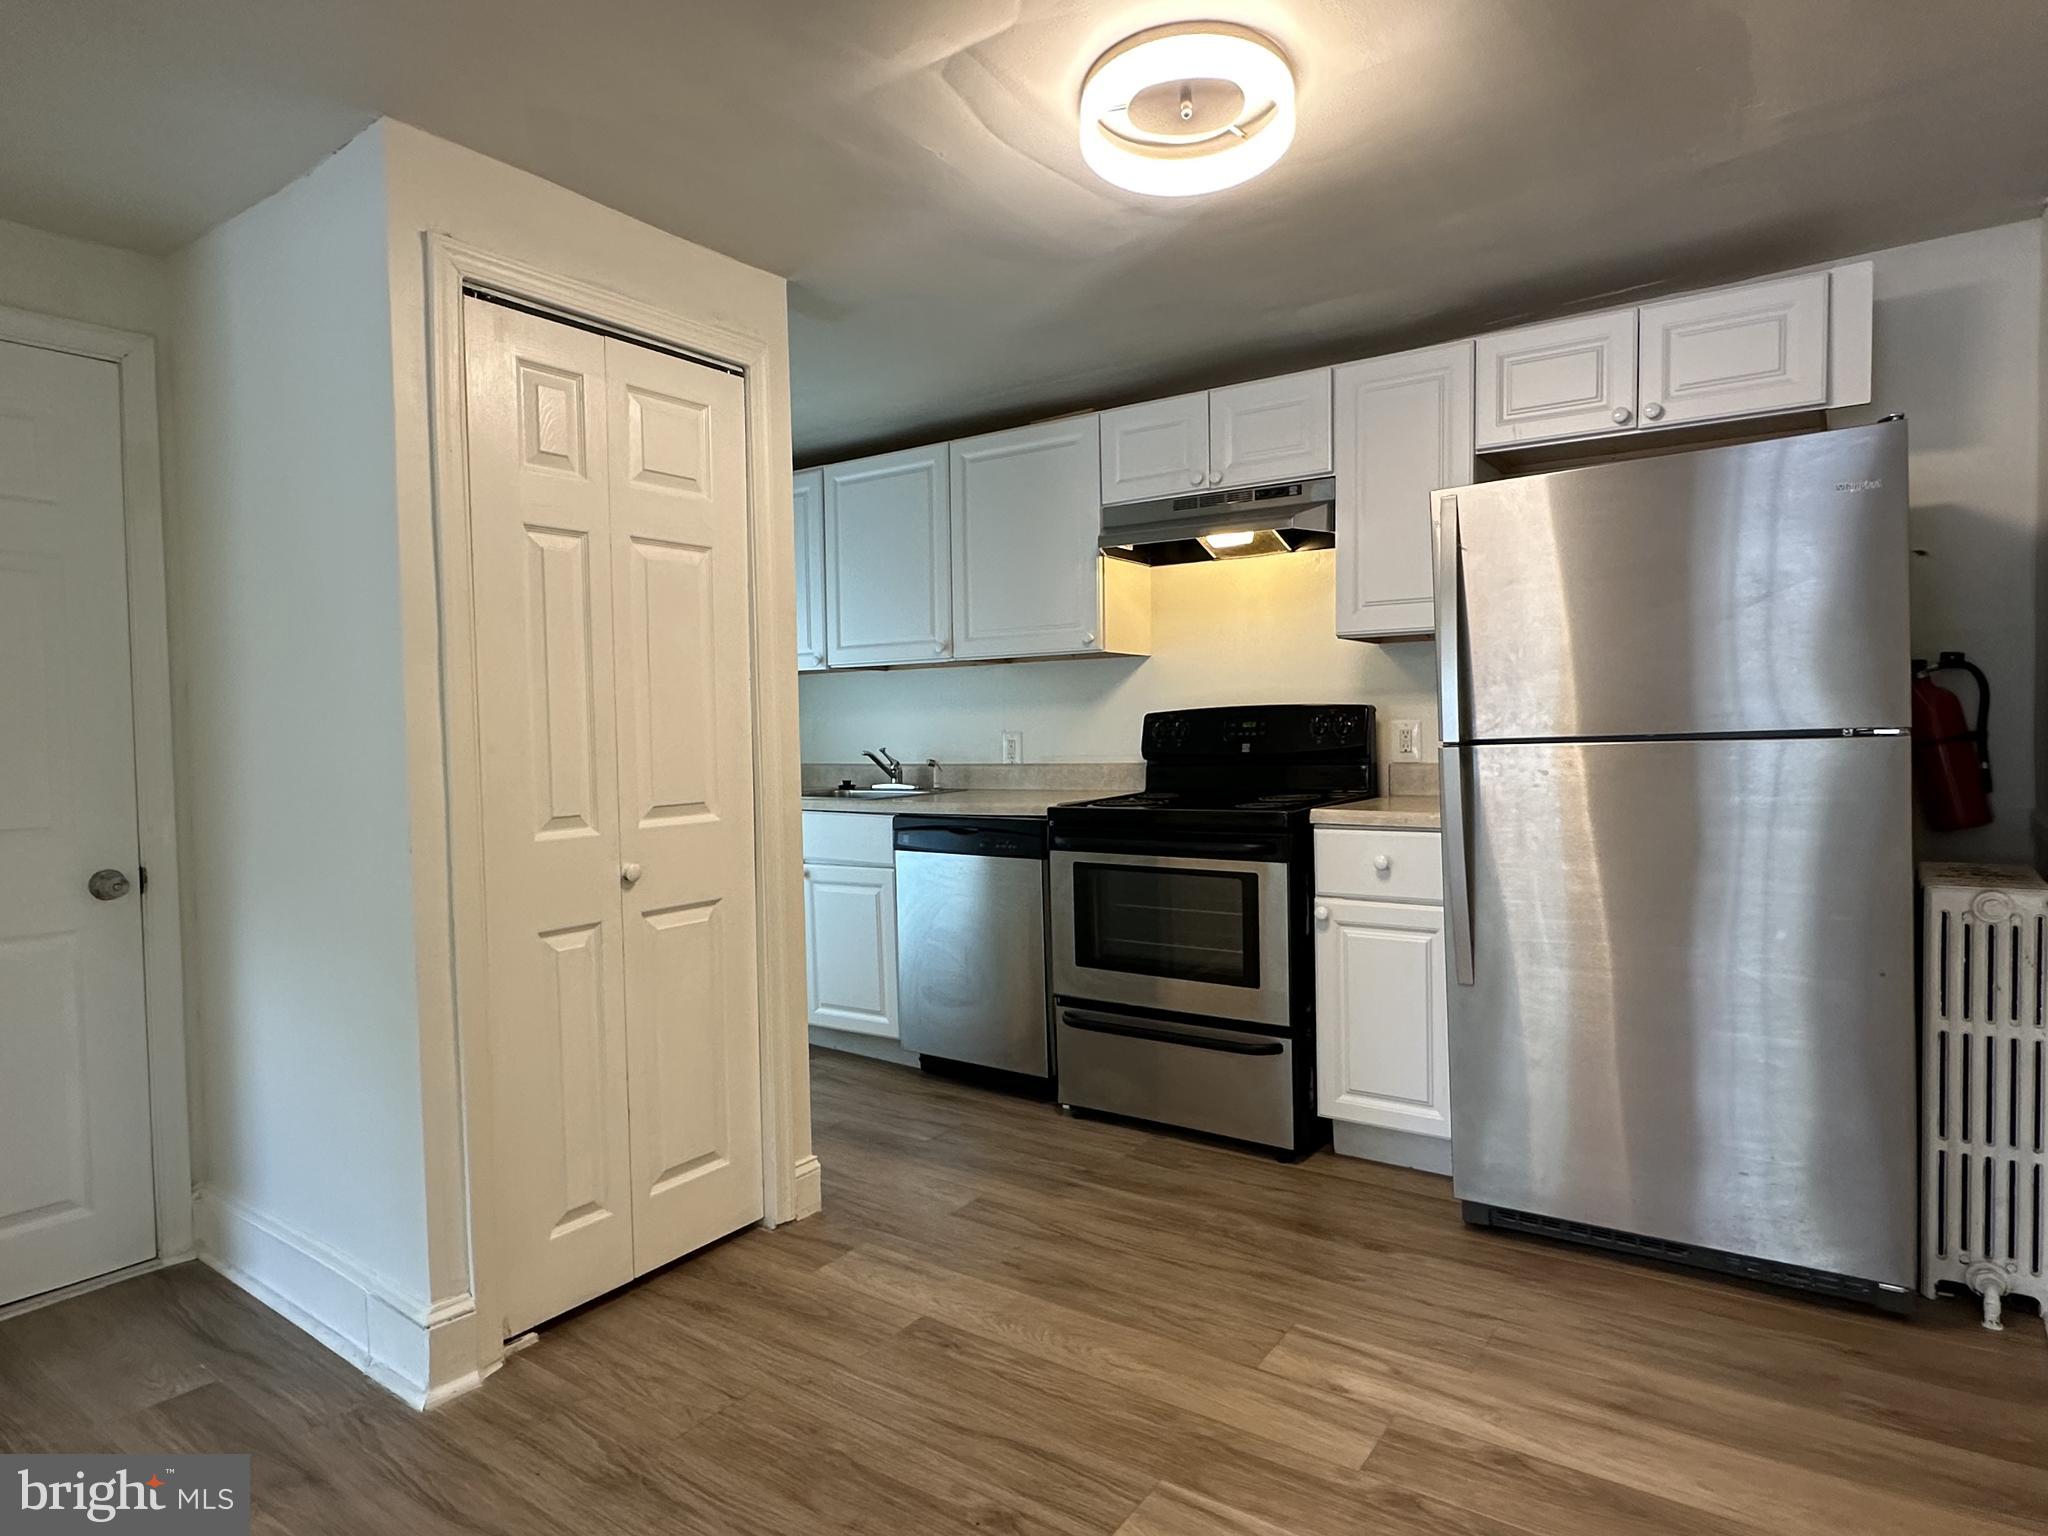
point(1226, 1082)
point(1379, 866)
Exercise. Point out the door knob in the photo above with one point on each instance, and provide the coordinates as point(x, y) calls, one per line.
point(1621, 415)
point(107, 885)
point(1653, 412)
point(629, 874)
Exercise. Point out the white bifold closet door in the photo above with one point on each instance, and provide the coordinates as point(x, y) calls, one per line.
point(609, 573)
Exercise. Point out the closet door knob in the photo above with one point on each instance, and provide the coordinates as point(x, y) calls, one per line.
point(629, 874)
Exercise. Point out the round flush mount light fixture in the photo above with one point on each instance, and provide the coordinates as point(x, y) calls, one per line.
point(1191, 108)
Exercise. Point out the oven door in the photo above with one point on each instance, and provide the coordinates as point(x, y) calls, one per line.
point(1184, 932)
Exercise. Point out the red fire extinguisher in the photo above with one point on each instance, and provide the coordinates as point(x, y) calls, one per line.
point(1951, 758)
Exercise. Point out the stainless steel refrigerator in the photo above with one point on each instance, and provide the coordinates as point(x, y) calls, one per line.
point(1677, 847)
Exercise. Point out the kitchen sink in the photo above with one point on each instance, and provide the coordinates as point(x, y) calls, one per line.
point(884, 792)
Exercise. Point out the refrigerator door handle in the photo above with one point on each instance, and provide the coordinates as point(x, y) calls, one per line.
point(1449, 619)
point(1457, 862)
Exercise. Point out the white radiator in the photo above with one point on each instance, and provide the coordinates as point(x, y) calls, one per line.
point(1984, 1082)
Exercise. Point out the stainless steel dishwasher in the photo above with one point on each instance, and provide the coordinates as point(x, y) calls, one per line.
point(970, 941)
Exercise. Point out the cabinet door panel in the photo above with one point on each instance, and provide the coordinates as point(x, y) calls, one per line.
point(1404, 429)
point(1736, 352)
point(1566, 378)
point(807, 497)
point(1382, 1043)
point(850, 947)
point(1027, 574)
point(1160, 448)
point(888, 559)
point(1271, 429)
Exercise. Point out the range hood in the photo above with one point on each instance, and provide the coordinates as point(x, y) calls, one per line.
point(1213, 525)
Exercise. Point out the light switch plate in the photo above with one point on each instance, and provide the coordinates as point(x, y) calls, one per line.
point(1013, 746)
point(1407, 738)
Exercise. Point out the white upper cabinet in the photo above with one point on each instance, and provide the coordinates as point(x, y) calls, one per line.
point(1160, 448)
point(1784, 344)
point(807, 494)
point(1271, 429)
point(1741, 351)
point(1403, 430)
point(888, 559)
point(1027, 578)
point(1564, 378)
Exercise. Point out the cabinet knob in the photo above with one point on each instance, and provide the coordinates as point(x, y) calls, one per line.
point(1322, 914)
point(1088, 639)
point(938, 647)
point(1382, 863)
point(1194, 477)
point(1621, 415)
point(1215, 477)
point(1653, 412)
point(629, 874)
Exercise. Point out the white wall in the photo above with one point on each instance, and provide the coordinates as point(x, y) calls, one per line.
point(1224, 632)
point(285, 628)
point(99, 284)
point(1958, 351)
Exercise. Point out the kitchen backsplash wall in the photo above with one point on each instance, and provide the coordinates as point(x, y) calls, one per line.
point(1228, 632)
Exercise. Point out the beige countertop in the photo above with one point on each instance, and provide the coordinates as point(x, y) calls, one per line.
point(951, 802)
point(1419, 812)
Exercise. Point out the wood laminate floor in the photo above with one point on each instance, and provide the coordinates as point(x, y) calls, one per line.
point(1010, 1321)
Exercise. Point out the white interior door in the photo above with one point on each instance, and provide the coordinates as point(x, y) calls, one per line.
point(76, 1183)
point(541, 575)
point(686, 791)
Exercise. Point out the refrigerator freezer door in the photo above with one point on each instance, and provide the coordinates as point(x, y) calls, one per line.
point(1759, 588)
point(1691, 1012)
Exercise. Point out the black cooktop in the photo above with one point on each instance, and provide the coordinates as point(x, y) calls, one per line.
point(1262, 766)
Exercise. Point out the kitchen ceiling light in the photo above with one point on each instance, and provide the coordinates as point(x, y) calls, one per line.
point(1182, 110)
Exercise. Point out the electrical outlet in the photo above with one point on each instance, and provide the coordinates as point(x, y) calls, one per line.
point(1407, 738)
point(1013, 746)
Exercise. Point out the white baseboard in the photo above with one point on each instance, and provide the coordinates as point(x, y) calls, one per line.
point(1404, 1149)
point(423, 1354)
point(810, 1188)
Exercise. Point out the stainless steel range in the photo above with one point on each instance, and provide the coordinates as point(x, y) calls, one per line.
point(1182, 976)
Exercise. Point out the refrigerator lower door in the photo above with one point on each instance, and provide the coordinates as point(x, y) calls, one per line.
point(1690, 1016)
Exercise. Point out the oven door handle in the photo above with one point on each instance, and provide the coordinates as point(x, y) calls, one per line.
point(1100, 1026)
point(1190, 849)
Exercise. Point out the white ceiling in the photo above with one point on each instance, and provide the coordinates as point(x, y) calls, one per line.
point(911, 165)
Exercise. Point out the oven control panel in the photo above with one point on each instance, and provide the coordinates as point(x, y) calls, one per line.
point(1260, 730)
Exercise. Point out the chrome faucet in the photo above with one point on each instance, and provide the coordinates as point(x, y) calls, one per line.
point(881, 759)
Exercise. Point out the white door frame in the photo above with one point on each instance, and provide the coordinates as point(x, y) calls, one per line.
point(789, 1190)
point(156, 801)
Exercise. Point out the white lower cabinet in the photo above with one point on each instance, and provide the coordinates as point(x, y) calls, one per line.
point(850, 922)
point(1382, 1021)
